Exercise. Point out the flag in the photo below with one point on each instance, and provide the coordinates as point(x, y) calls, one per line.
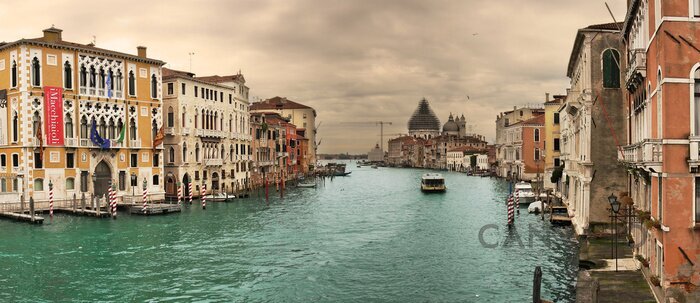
point(159, 137)
point(122, 134)
point(39, 136)
point(96, 139)
point(109, 85)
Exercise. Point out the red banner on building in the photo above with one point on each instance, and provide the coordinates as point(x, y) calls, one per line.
point(53, 115)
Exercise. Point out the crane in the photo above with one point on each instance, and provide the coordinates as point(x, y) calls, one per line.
point(372, 123)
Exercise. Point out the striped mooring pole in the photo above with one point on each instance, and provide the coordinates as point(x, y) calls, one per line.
point(110, 196)
point(517, 201)
point(204, 197)
point(511, 217)
point(191, 193)
point(145, 195)
point(114, 201)
point(179, 193)
point(51, 200)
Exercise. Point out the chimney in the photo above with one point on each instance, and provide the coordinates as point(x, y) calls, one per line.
point(546, 98)
point(52, 34)
point(515, 107)
point(141, 51)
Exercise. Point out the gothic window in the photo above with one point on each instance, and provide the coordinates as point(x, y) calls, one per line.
point(120, 126)
point(171, 117)
point(196, 152)
point(611, 69)
point(102, 78)
point(154, 87)
point(696, 95)
point(15, 127)
point(183, 117)
point(112, 129)
point(132, 129)
point(36, 122)
point(102, 127)
point(132, 84)
point(154, 129)
point(184, 152)
point(67, 76)
point(69, 126)
point(36, 72)
point(83, 127)
point(92, 77)
point(14, 73)
point(83, 76)
point(110, 75)
point(119, 81)
point(171, 155)
point(537, 135)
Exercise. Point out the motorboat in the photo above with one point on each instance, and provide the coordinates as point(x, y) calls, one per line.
point(523, 193)
point(306, 185)
point(374, 166)
point(432, 182)
point(219, 197)
point(535, 207)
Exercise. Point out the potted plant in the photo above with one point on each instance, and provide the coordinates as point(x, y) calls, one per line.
point(655, 281)
point(641, 260)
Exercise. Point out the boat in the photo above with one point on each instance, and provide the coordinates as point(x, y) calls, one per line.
point(524, 193)
point(219, 197)
point(535, 207)
point(432, 182)
point(559, 215)
point(306, 185)
point(337, 169)
point(374, 166)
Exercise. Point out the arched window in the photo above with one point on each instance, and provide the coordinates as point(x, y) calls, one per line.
point(93, 77)
point(110, 76)
point(537, 135)
point(83, 76)
point(154, 129)
point(230, 123)
point(171, 155)
point(36, 72)
point(154, 87)
point(102, 127)
point(68, 126)
point(84, 127)
point(67, 76)
point(118, 81)
point(171, 117)
point(102, 78)
point(183, 117)
point(39, 184)
point(112, 129)
point(14, 73)
point(196, 152)
point(196, 120)
point(222, 155)
point(184, 152)
point(696, 95)
point(70, 183)
point(611, 69)
point(132, 84)
point(230, 153)
point(132, 129)
point(36, 122)
point(120, 126)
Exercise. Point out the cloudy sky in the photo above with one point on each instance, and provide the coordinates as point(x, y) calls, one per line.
point(364, 60)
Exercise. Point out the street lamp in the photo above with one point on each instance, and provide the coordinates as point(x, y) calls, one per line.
point(133, 185)
point(614, 209)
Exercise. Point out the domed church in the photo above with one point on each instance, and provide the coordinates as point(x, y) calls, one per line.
point(424, 123)
point(455, 127)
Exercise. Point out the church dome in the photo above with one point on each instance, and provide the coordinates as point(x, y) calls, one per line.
point(424, 118)
point(450, 125)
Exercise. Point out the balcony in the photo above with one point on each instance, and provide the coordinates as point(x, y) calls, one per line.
point(637, 64)
point(185, 131)
point(135, 143)
point(71, 142)
point(169, 131)
point(85, 143)
point(648, 153)
point(694, 160)
point(213, 162)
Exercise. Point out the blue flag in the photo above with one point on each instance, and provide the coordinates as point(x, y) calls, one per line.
point(109, 85)
point(96, 139)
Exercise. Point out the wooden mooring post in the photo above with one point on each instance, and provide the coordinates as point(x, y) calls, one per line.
point(75, 203)
point(82, 202)
point(537, 286)
point(31, 208)
point(21, 203)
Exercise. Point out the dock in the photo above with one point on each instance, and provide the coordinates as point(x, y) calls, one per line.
point(154, 209)
point(22, 217)
point(559, 215)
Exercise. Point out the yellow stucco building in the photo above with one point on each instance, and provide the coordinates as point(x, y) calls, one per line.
point(79, 117)
point(552, 140)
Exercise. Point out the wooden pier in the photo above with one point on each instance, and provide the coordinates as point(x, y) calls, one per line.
point(22, 217)
point(154, 209)
point(559, 215)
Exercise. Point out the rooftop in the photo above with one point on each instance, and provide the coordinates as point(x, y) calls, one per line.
point(277, 103)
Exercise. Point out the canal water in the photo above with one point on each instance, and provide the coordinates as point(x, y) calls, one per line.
point(369, 237)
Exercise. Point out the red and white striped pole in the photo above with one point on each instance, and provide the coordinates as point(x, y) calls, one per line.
point(511, 216)
point(111, 199)
point(51, 200)
point(114, 199)
point(145, 195)
point(191, 192)
point(179, 193)
point(517, 201)
point(204, 197)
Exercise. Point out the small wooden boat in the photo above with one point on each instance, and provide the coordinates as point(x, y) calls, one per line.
point(306, 185)
point(432, 182)
point(374, 166)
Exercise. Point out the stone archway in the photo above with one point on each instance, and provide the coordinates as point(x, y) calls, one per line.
point(214, 181)
point(170, 185)
point(103, 175)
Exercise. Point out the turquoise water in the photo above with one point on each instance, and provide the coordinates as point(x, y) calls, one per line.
point(369, 237)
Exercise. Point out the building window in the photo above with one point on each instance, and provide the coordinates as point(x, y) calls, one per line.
point(170, 88)
point(3, 161)
point(171, 155)
point(171, 116)
point(83, 128)
point(14, 73)
point(122, 180)
point(696, 8)
point(230, 97)
point(156, 159)
point(611, 69)
point(557, 162)
point(556, 144)
point(195, 90)
point(156, 179)
point(196, 153)
point(660, 201)
point(537, 154)
point(556, 118)
point(183, 89)
point(154, 87)
point(38, 160)
point(83, 76)
point(15, 160)
point(39, 184)
point(68, 126)
point(537, 135)
point(70, 183)
point(70, 160)
point(696, 89)
point(196, 175)
point(36, 72)
point(15, 127)
point(134, 160)
point(132, 84)
point(83, 181)
point(67, 76)
point(184, 152)
point(3, 185)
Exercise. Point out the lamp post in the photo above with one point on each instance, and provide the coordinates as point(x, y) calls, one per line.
point(133, 186)
point(614, 209)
